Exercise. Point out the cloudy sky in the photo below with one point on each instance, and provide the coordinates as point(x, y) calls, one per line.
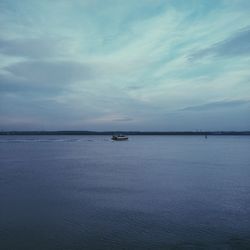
point(125, 65)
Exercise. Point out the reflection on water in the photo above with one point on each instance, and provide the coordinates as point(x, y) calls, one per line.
point(151, 192)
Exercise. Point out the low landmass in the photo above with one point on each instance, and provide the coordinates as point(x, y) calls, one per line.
point(125, 132)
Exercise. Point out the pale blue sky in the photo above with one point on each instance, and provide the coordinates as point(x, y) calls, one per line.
point(125, 65)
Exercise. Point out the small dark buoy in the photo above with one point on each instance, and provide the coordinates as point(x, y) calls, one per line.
point(205, 136)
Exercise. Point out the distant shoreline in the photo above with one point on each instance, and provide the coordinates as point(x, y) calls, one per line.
point(125, 132)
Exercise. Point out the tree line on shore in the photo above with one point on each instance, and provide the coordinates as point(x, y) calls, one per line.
point(125, 132)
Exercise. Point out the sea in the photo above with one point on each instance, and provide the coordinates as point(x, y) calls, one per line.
point(150, 192)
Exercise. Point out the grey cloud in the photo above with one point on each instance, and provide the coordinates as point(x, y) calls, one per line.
point(124, 119)
point(10, 84)
point(31, 48)
point(60, 71)
point(44, 76)
point(135, 87)
point(216, 105)
point(236, 45)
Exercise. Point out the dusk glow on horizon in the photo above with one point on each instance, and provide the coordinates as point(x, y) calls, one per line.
point(157, 65)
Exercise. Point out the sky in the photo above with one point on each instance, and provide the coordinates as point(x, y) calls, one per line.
point(162, 65)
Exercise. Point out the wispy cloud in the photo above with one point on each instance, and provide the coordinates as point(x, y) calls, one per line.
point(217, 105)
point(123, 64)
point(236, 45)
point(111, 118)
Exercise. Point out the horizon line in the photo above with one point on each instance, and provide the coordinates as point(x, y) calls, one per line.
point(128, 132)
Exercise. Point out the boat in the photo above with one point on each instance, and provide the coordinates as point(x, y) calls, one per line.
point(119, 138)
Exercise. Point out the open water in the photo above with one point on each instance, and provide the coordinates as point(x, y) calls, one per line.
point(150, 192)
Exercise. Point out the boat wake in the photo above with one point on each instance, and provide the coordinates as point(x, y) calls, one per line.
point(37, 140)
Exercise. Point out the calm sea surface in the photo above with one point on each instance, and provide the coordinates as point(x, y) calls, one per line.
point(151, 192)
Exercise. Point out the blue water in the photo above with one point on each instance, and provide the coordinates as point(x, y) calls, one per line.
point(150, 192)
